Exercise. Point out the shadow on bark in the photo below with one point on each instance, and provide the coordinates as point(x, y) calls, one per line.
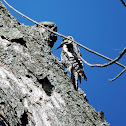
point(24, 119)
point(46, 85)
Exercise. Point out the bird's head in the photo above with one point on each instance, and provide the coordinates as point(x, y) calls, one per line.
point(66, 41)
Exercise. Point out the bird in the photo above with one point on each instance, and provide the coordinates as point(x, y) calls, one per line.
point(71, 59)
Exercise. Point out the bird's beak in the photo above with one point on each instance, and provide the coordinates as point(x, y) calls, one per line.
point(60, 46)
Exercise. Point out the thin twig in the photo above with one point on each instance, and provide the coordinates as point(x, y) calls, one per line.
point(89, 64)
point(123, 3)
point(118, 75)
point(48, 29)
point(109, 63)
point(105, 57)
point(106, 64)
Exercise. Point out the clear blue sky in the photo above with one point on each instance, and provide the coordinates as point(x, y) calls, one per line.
point(99, 25)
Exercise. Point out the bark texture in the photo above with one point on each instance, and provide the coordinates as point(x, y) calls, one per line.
point(34, 90)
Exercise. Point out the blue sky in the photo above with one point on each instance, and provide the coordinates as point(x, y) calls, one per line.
point(99, 25)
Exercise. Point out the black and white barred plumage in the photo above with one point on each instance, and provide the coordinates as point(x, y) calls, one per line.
point(71, 58)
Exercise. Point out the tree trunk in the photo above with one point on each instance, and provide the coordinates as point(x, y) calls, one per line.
point(34, 90)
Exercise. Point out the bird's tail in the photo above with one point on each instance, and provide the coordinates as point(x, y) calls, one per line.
point(82, 74)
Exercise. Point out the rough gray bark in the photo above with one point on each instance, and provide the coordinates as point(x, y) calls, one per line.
point(34, 90)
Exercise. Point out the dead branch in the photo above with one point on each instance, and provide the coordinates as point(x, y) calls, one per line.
point(111, 62)
point(107, 64)
point(123, 3)
point(118, 75)
point(91, 65)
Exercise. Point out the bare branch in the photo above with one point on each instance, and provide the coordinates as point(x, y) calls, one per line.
point(111, 62)
point(123, 3)
point(106, 64)
point(91, 65)
point(118, 75)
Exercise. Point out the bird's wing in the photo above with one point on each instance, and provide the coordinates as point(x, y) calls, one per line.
point(77, 55)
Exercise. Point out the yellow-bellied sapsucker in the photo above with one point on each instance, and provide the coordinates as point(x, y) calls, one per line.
point(71, 58)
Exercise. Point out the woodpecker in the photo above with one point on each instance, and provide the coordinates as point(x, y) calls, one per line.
point(71, 58)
